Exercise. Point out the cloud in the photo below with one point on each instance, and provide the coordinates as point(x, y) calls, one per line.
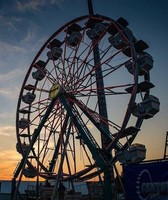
point(7, 130)
point(28, 35)
point(9, 159)
point(12, 62)
point(11, 75)
point(9, 22)
point(7, 49)
point(9, 94)
point(37, 4)
point(8, 138)
point(31, 36)
point(4, 92)
point(10, 83)
point(19, 28)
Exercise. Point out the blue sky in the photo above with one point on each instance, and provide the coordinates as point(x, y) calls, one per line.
point(26, 25)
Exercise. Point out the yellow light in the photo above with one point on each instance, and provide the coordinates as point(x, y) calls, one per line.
point(54, 91)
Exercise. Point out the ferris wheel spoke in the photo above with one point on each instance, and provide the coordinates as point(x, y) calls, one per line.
point(98, 121)
point(93, 91)
point(63, 154)
point(92, 70)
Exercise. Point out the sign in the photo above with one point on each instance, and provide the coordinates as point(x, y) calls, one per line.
point(146, 181)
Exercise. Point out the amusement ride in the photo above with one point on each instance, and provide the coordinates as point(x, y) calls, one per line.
point(82, 104)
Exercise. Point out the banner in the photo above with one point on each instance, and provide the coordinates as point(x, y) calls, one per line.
point(146, 181)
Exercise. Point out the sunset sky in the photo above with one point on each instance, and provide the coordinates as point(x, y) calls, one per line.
point(26, 24)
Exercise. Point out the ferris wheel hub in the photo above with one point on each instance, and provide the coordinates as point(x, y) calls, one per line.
point(55, 91)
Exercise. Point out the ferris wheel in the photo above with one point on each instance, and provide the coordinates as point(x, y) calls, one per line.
point(83, 100)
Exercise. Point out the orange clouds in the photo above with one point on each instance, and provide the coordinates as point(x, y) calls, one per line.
point(9, 160)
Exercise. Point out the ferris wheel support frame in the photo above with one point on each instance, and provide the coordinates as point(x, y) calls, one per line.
point(108, 172)
point(24, 159)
